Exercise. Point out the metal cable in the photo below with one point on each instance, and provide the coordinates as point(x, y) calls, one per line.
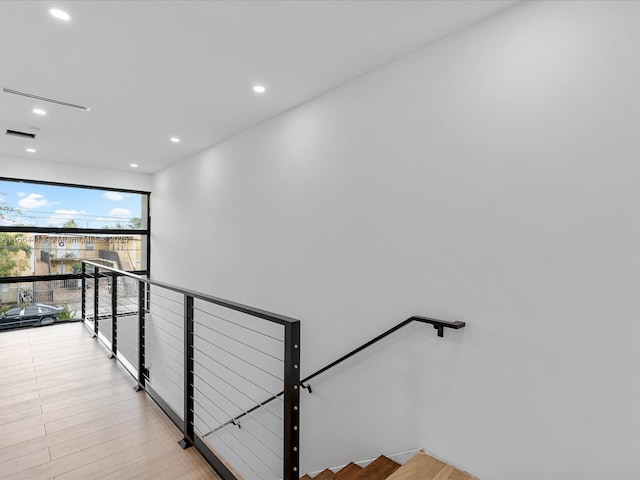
point(122, 303)
point(242, 343)
point(162, 362)
point(240, 392)
point(168, 320)
point(157, 324)
point(239, 325)
point(278, 456)
point(239, 358)
point(245, 446)
point(166, 399)
point(155, 305)
point(275, 434)
point(240, 457)
point(239, 375)
point(202, 420)
point(151, 336)
point(156, 294)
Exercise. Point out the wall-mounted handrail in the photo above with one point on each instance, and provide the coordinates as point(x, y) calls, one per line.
point(439, 325)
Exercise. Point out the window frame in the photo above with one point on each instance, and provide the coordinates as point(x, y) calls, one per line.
point(53, 231)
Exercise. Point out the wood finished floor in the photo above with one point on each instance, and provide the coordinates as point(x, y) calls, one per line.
point(69, 413)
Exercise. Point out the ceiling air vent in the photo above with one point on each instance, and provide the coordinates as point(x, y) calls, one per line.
point(16, 133)
point(45, 99)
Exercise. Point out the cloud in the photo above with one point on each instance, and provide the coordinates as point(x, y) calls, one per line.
point(120, 213)
point(33, 200)
point(61, 216)
point(115, 196)
point(22, 194)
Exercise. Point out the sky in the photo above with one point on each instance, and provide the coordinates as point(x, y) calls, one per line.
point(52, 205)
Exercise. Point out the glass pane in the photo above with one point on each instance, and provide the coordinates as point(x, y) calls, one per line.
point(33, 254)
point(45, 302)
point(15, 255)
point(41, 205)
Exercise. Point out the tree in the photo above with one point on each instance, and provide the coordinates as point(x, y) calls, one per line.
point(135, 223)
point(70, 224)
point(6, 210)
point(10, 246)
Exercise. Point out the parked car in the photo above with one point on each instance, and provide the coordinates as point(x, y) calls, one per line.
point(34, 315)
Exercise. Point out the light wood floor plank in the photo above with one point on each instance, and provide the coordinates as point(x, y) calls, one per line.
point(73, 401)
point(24, 371)
point(112, 432)
point(121, 462)
point(19, 464)
point(60, 419)
point(48, 440)
point(16, 417)
point(22, 436)
point(17, 400)
point(67, 412)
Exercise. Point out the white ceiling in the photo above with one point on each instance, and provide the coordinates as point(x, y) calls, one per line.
point(150, 70)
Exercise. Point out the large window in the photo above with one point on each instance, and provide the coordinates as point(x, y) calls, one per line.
point(68, 207)
point(46, 230)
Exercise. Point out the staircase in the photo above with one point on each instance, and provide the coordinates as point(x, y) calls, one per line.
point(420, 467)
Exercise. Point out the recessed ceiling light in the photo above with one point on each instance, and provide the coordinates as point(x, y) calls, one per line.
point(259, 89)
point(39, 111)
point(31, 150)
point(60, 14)
point(134, 165)
point(175, 139)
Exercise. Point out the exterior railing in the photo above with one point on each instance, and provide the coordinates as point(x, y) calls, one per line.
point(205, 361)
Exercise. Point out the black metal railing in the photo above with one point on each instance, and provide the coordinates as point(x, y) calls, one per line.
point(439, 325)
point(228, 375)
point(205, 361)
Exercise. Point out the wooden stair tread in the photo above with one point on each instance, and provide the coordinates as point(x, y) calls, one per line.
point(349, 472)
point(420, 467)
point(452, 473)
point(326, 474)
point(379, 469)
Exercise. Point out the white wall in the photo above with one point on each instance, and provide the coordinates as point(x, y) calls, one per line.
point(493, 178)
point(33, 169)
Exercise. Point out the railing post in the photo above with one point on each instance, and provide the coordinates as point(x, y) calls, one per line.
point(96, 305)
point(187, 441)
point(84, 293)
point(141, 337)
point(291, 452)
point(114, 315)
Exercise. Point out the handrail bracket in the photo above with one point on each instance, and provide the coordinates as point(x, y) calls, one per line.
point(439, 325)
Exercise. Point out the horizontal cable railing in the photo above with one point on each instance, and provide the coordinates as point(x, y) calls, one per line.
point(205, 361)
